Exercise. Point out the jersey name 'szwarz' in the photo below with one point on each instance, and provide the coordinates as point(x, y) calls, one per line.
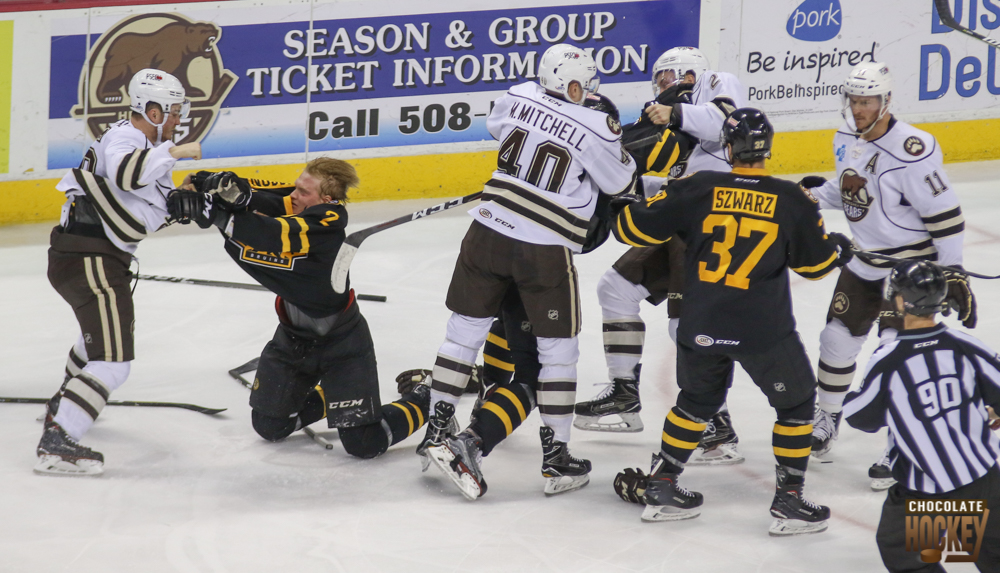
point(742, 229)
point(291, 255)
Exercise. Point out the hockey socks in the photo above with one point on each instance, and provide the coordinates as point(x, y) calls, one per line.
point(792, 443)
point(681, 434)
point(834, 383)
point(403, 417)
point(501, 414)
point(498, 360)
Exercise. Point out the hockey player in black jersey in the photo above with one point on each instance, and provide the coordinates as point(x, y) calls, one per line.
point(321, 361)
point(742, 229)
point(932, 386)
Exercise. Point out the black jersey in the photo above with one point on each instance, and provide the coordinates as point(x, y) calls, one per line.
point(657, 149)
point(291, 255)
point(931, 387)
point(742, 229)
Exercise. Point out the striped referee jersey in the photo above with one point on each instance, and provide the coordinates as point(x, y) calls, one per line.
point(931, 387)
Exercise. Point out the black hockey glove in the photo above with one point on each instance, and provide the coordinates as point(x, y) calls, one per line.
point(198, 180)
point(602, 104)
point(185, 206)
point(844, 247)
point(619, 202)
point(232, 193)
point(811, 181)
point(407, 381)
point(630, 485)
point(960, 298)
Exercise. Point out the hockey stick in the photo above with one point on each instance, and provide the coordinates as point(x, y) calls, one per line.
point(875, 256)
point(244, 286)
point(338, 278)
point(238, 372)
point(196, 408)
point(944, 12)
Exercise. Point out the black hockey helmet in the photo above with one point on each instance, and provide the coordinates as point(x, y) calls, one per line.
point(749, 133)
point(922, 285)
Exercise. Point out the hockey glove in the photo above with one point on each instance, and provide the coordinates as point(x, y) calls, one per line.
point(232, 192)
point(407, 381)
point(185, 206)
point(811, 181)
point(844, 247)
point(619, 202)
point(630, 485)
point(960, 298)
point(198, 180)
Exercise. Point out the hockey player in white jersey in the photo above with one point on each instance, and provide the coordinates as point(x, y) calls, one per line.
point(114, 199)
point(655, 274)
point(892, 187)
point(555, 157)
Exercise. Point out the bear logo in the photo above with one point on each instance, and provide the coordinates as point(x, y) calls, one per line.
point(170, 43)
point(854, 195)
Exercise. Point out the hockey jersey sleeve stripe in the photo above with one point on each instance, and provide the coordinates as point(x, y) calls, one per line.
point(288, 205)
point(130, 170)
point(534, 207)
point(950, 222)
point(818, 271)
point(654, 155)
point(627, 215)
point(303, 235)
point(120, 220)
point(286, 243)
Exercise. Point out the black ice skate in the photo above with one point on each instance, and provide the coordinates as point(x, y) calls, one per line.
point(460, 458)
point(562, 471)
point(826, 428)
point(441, 425)
point(486, 388)
point(881, 472)
point(794, 514)
point(59, 454)
point(718, 445)
point(620, 398)
point(665, 500)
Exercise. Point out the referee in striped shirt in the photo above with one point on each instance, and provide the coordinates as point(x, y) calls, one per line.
point(932, 387)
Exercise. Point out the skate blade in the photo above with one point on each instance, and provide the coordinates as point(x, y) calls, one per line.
point(563, 484)
point(629, 423)
point(442, 456)
point(724, 455)
point(55, 465)
point(786, 527)
point(654, 513)
point(882, 484)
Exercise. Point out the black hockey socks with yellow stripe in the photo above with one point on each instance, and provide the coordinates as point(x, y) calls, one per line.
point(498, 360)
point(681, 434)
point(792, 437)
point(502, 413)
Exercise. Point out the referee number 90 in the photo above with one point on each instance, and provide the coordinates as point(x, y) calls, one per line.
point(939, 395)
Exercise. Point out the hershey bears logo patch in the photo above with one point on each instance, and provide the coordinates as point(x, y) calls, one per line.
point(914, 146)
point(614, 126)
point(841, 303)
point(854, 195)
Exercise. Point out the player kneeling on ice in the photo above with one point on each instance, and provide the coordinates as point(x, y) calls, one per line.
point(113, 200)
point(742, 230)
point(534, 215)
point(321, 360)
point(937, 390)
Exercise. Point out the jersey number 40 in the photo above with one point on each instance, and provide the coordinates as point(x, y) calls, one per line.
point(545, 153)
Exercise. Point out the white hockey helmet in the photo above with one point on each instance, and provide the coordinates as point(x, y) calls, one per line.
point(868, 79)
point(155, 86)
point(563, 64)
point(681, 61)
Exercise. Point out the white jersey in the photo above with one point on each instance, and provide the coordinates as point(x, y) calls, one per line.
point(131, 187)
point(896, 196)
point(554, 158)
point(713, 92)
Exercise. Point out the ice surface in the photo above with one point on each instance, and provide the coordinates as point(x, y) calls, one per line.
point(185, 492)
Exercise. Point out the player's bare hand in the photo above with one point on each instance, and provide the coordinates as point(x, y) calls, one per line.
point(188, 150)
point(659, 114)
point(994, 419)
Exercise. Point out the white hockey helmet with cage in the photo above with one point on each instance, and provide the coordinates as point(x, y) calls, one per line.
point(681, 61)
point(867, 79)
point(156, 86)
point(563, 64)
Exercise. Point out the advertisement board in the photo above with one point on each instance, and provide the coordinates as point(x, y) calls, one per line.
point(793, 55)
point(272, 80)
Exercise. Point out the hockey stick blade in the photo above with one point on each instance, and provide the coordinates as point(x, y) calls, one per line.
point(243, 286)
point(341, 266)
point(327, 444)
point(194, 407)
point(238, 372)
point(944, 13)
point(877, 257)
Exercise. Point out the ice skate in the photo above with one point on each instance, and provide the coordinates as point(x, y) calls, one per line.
point(615, 409)
point(881, 472)
point(486, 388)
point(826, 428)
point(460, 458)
point(718, 445)
point(793, 513)
point(562, 471)
point(59, 454)
point(442, 424)
point(665, 500)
